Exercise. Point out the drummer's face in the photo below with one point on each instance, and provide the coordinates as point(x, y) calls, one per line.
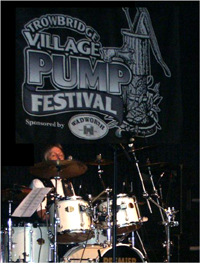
point(56, 154)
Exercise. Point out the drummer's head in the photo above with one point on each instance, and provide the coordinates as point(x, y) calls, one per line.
point(54, 152)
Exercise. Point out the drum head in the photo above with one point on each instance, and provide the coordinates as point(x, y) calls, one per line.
point(99, 253)
point(124, 253)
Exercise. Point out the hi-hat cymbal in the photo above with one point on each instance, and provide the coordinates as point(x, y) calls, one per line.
point(100, 162)
point(62, 168)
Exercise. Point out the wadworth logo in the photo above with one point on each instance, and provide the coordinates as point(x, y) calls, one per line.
point(67, 70)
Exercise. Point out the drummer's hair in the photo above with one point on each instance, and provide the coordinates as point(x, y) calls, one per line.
point(48, 148)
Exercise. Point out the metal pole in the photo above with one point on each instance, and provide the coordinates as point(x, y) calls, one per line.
point(114, 204)
point(9, 233)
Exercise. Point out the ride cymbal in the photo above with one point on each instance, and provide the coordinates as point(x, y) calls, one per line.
point(159, 165)
point(61, 168)
point(100, 162)
point(141, 148)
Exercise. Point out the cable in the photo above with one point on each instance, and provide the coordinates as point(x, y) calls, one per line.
point(40, 243)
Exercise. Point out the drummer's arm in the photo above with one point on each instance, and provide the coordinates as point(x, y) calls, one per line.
point(41, 210)
point(42, 214)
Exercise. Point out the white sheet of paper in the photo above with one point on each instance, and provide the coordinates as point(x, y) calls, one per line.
point(31, 202)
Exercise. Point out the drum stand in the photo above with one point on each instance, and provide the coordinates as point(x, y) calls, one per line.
point(9, 232)
point(107, 191)
point(145, 194)
point(170, 213)
point(99, 158)
point(56, 220)
point(170, 217)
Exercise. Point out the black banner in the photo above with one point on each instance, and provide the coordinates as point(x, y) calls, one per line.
point(90, 74)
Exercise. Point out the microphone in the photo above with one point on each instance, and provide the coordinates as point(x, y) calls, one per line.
point(125, 152)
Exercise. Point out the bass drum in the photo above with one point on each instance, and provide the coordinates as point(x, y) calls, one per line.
point(97, 253)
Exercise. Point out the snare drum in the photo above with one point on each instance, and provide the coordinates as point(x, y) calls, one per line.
point(29, 242)
point(75, 220)
point(97, 253)
point(127, 216)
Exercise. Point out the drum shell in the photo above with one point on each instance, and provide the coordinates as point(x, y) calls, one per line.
point(128, 216)
point(74, 220)
point(30, 239)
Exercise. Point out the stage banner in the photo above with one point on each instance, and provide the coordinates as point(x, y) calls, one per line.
point(98, 74)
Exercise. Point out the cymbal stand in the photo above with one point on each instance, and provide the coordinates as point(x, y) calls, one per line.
point(168, 223)
point(9, 232)
point(155, 192)
point(56, 220)
point(108, 217)
point(170, 216)
point(99, 157)
point(145, 194)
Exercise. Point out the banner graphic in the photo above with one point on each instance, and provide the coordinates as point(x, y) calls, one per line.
point(68, 70)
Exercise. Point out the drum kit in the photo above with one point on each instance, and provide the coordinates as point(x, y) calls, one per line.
point(95, 228)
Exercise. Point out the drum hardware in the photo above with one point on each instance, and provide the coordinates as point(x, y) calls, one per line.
point(168, 222)
point(108, 219)
point(145, 194)
point(143, 248)
point(9, 232)
point(170, 214)
point(99, 161)
point(56, 219)
point(103, 192)
point(155, 192)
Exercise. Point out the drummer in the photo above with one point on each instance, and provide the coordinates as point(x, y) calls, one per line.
point(52, 152)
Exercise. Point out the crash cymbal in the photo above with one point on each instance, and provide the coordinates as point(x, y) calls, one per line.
point(100, 162)
point(141, 148)
point(15, 194)
point(66, 168)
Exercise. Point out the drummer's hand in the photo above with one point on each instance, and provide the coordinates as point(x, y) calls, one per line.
point(43, 215)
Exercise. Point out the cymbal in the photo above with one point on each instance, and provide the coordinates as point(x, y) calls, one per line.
point(142, 148)
point(66, 168)
point(15, 194)
point(158, 165)
point(100, 162)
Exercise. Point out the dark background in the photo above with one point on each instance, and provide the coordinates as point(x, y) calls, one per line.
point(181, 182)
